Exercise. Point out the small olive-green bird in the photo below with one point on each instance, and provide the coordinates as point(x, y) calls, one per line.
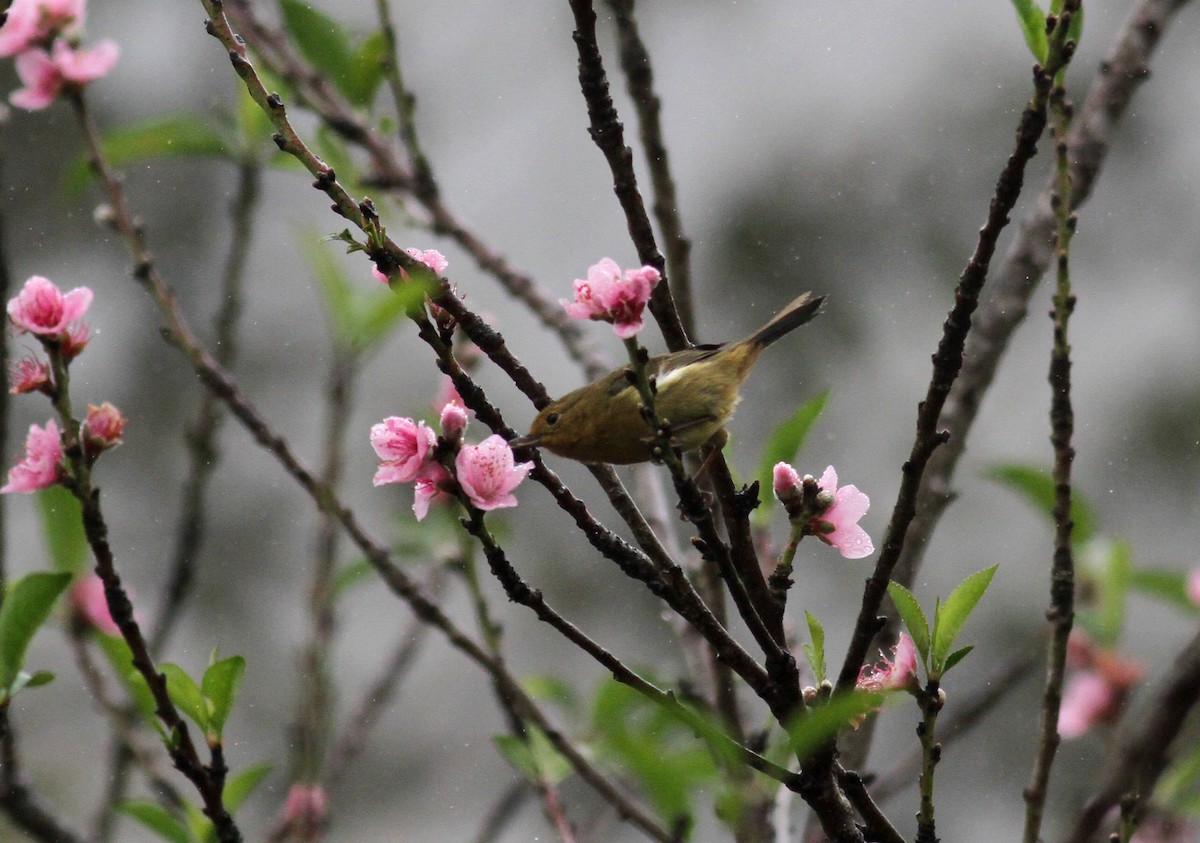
point(696, 392)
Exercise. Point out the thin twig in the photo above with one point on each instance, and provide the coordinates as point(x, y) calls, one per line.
point(1061, 613)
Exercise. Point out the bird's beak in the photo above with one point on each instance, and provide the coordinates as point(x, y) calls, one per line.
point(525, 441)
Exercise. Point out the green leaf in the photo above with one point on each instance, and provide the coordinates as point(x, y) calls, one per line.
point(366, 69)
point(166, 137)
point(220, 686)
point(119, 656)
point(186, 694)
point(1037, 487)
point(957, 656)
point(238, 787)
point(321, 39)
point(156, 818)
point(62, 527)
point(1112, 582)
point(816, 650)
point(351, 575)
point(553, 766)
point(913, 617)
point(1075, 29)
point(782, 446)
point(1169, 586)
point(825, 719)
point(543, 686)
point(1033, 26)
point(516, 752)
point(36, 679)
point(27, 604)
point(953, 613)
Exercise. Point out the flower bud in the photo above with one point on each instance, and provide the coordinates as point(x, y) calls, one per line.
point(102, 428)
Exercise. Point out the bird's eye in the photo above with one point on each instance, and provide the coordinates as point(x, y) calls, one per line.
point(552, 418)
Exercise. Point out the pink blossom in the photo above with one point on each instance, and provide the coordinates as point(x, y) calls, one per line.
point(31, 22)
point(609, 295)
point(43, 309)
point(40, 467)
point(786, 481)
point(430, 488)
point(404, 446)
point(305, 808)
point(91, 606)
point(454, 419)
point(44, 75)
point(1097, 691)
point(377, 275)
point(28, 375)
point(487, 474)
point(838, 525)
point(74, 340)
point(103, 427)
point(893, 674)
point(432, 258)
point(1086, 699)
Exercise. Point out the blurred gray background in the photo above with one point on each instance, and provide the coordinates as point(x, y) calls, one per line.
point(849, 148)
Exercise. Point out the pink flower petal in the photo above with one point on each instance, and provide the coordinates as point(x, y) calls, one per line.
point(79, 65)
point(41, 465)
point(1086, 699)
point(487, 473)
point(41, 308)
point(404, 446)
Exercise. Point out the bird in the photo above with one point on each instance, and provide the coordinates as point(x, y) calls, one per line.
point(696, 391)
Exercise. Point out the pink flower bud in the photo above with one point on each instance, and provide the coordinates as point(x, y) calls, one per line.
point(102, 428)
point(403, 446)
point(454, 420)
point(305, 809)
point(786, 481)
point(42, 465)
point(487, 473)
point(609, 295)
point(43, 309)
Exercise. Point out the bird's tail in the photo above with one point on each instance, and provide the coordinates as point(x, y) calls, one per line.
point(802, 309)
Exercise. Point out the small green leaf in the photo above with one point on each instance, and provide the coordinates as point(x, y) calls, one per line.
point(158, 819)
point(913, 617)
point(1033, 26)
point(185, 693)
point(366, 69)
point(543, 686)
point(953, 613)
point(220, 686)
point(1169, 586)
point(119, 656)
point(377, 315)
point(824, 719)
point(1112, 582)
point(167, 137)
point(321, 39)
point(356, 572)
point(816, 650)
point(1075, 29)
point(1037, 487)
point(782, 446)
point(62, 526)
point(27, 604)
point(957, 656)
point(239, 786)
point(516, 752)
point(553, 767)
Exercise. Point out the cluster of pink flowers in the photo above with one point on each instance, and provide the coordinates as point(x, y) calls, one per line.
point(432, 258)
point(610, 295)
point(487, 473)
point(56, 319)
point(43, 35)
point(836, 522)
point(1099, 685)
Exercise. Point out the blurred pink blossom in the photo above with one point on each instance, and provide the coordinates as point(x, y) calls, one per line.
point(305, 809)
point(432, 258)
point(28, 375)
point(893, 674)
point(40, 466)
point(43, 309)
point(45, 74)
point(31, 23)
point(75, 340)
point(609, 295)
point(838, 525)
point(404, 446)
point(487, 473)
point(1096, 692)
point(1193, 586)
point(430, 488)
point(90, 605)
